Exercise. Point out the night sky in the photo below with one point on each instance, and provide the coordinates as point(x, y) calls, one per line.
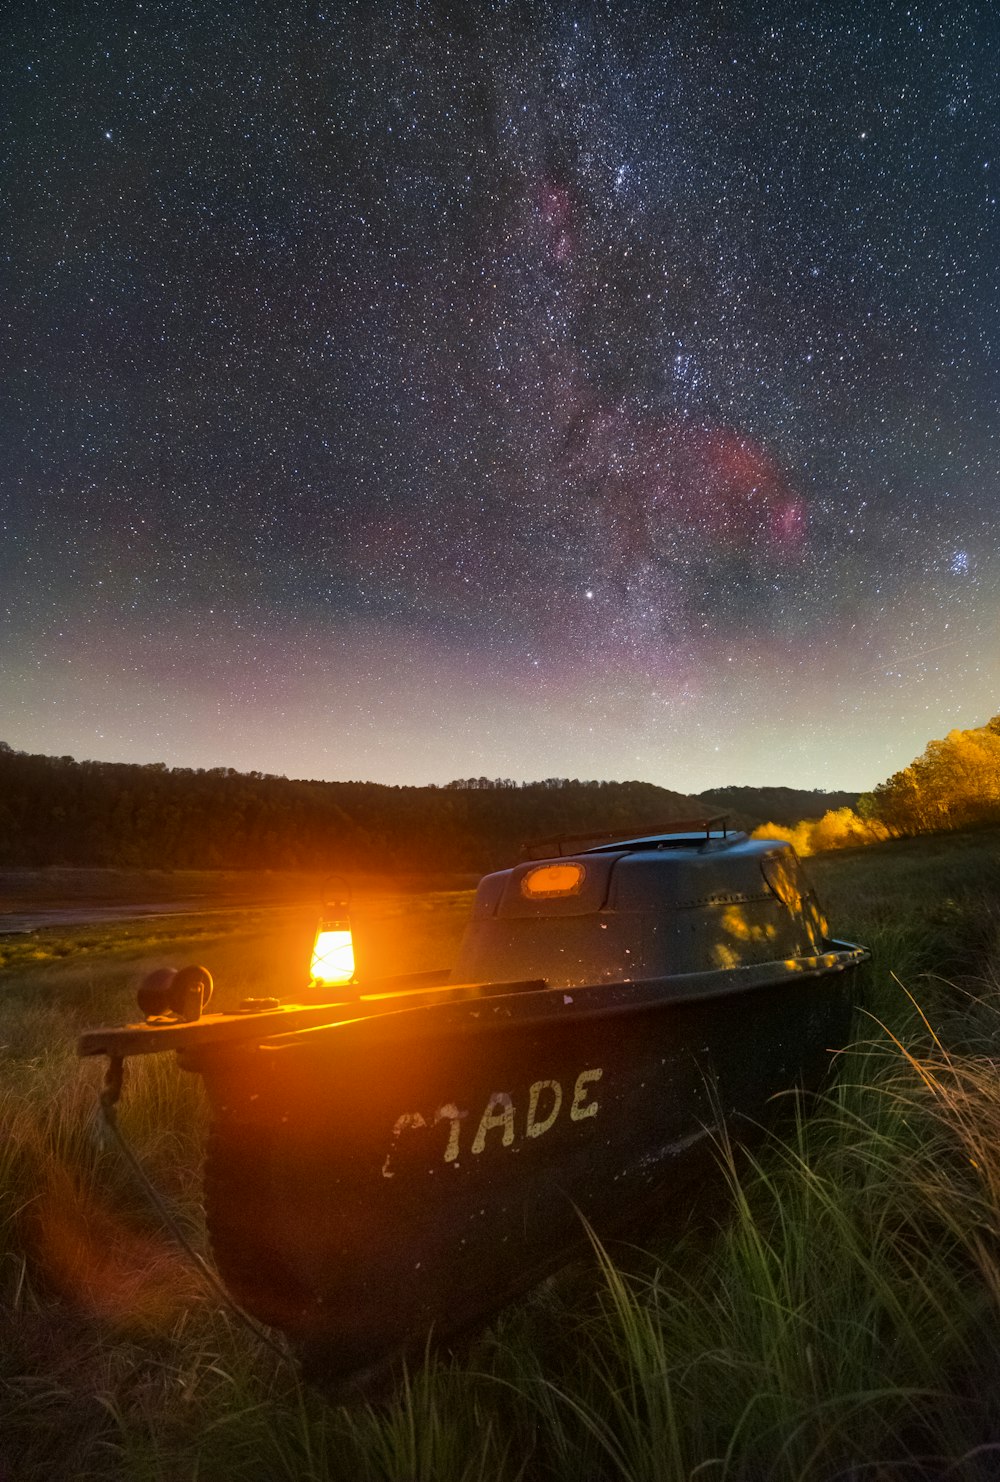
point(411, 392)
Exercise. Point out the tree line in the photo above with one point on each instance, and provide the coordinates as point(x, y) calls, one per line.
point(59, 811)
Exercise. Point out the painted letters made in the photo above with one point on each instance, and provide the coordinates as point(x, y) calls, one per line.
point(543, 1110)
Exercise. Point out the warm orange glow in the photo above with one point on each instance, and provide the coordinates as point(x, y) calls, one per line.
point(839, 828)
point(553, 879)
point(333, 953)
point(96, 1259)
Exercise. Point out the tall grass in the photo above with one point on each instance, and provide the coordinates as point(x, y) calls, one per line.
point(835, 1317)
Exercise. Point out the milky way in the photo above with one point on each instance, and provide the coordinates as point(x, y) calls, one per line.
point(420, 391)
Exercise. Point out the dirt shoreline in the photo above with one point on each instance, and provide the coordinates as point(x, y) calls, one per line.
point(108, 891)
point(22, 923)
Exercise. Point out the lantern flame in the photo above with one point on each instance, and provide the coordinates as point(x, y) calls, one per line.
point(333, 954)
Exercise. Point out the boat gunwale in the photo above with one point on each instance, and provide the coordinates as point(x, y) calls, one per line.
point(545, 1006)
point(462, 1006)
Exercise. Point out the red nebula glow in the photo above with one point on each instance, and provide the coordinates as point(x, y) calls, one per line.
point(659, 485)
point(740, 492)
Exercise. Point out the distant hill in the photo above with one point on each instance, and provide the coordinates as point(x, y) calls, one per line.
point(785, 805)
point(58, 811)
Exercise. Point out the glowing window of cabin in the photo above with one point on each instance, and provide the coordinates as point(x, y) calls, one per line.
point(553, 879)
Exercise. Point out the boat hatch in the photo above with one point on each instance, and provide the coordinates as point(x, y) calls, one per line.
point(647, 908)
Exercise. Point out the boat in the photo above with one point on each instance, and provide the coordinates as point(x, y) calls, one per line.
point(411, 1154)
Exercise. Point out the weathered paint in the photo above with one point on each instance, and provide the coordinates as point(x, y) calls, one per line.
point(538, 1125)
point(501, 1111)
point(450, 1113)
point(581, 1108)
point(408, 1119)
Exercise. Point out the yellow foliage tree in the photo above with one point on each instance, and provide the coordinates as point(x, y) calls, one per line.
point(840, 828)
point(954, 784)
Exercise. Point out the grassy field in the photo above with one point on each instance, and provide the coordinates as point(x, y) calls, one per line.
point(837, 1319)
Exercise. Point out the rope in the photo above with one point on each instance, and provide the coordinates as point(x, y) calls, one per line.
point(107, 1099)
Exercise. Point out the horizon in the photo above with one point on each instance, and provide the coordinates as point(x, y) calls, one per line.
point(277, 756)
point(491, 780)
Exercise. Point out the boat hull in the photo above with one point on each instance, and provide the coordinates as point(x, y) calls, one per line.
point(377, 1180)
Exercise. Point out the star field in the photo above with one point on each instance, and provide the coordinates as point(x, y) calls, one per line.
point(416, 391)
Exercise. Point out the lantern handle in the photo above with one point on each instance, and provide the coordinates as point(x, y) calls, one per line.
point(335, 892)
